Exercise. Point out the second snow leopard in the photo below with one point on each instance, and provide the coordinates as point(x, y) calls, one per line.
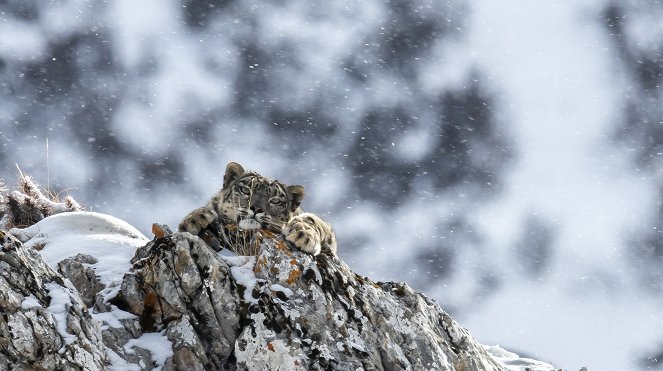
point(250, 201)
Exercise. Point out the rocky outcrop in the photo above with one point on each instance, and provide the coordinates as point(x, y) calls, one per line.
point(184, 306)
point(73, 298)
point(44, 323)
point(288, 309)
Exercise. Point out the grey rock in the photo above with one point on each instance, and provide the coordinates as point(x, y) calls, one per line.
point(45, 325)
point(282, 309)
point(82, 277)
point(315, 313)
point(186, 289)
point(287, 309)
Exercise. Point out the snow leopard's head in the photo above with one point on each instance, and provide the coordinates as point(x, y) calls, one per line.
point(252, 201)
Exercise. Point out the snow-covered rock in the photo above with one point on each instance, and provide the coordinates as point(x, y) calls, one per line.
point(84, 290)
point(44, 322)
point(287, 310)
point(110, 241)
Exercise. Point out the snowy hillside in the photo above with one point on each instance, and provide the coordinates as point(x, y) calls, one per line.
point(502, 154)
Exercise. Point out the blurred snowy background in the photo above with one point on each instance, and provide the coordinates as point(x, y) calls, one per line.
point(504, 157)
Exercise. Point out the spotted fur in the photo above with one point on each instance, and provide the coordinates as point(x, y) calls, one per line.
point(250, 201)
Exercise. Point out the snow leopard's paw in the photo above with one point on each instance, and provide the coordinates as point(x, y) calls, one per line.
point(303, 235)
point(197, 220)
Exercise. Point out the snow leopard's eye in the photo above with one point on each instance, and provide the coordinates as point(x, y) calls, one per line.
point(276, 202)
point(243, 190)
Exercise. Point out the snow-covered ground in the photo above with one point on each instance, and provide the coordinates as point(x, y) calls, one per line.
point(112, 242)
point(478, 146)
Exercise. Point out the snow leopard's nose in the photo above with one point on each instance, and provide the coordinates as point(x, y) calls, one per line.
point(256, 209)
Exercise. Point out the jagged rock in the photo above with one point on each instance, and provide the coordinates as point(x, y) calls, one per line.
point(82, 277)
point(44, 325)
point(284, 309)
point(185, 287)
point(178, 304)
point(339, 319)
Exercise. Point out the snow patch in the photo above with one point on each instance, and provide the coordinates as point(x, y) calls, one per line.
point(110, 240)
point(60, 299)
point(512, 362)
point(242, 271)
point(113, 317)
point(30, 302)
point(154, 342)
point(118, 363)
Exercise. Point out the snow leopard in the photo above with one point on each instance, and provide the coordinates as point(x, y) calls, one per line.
point(249, 201)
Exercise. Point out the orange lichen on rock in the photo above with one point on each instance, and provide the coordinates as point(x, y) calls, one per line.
point(260, 263)
point(158, 231)
point(270, 346)
point(283, 247)
point(293, 276)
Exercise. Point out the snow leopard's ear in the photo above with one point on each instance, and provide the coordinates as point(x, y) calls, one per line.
point(295, 195)
point(233, 171)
